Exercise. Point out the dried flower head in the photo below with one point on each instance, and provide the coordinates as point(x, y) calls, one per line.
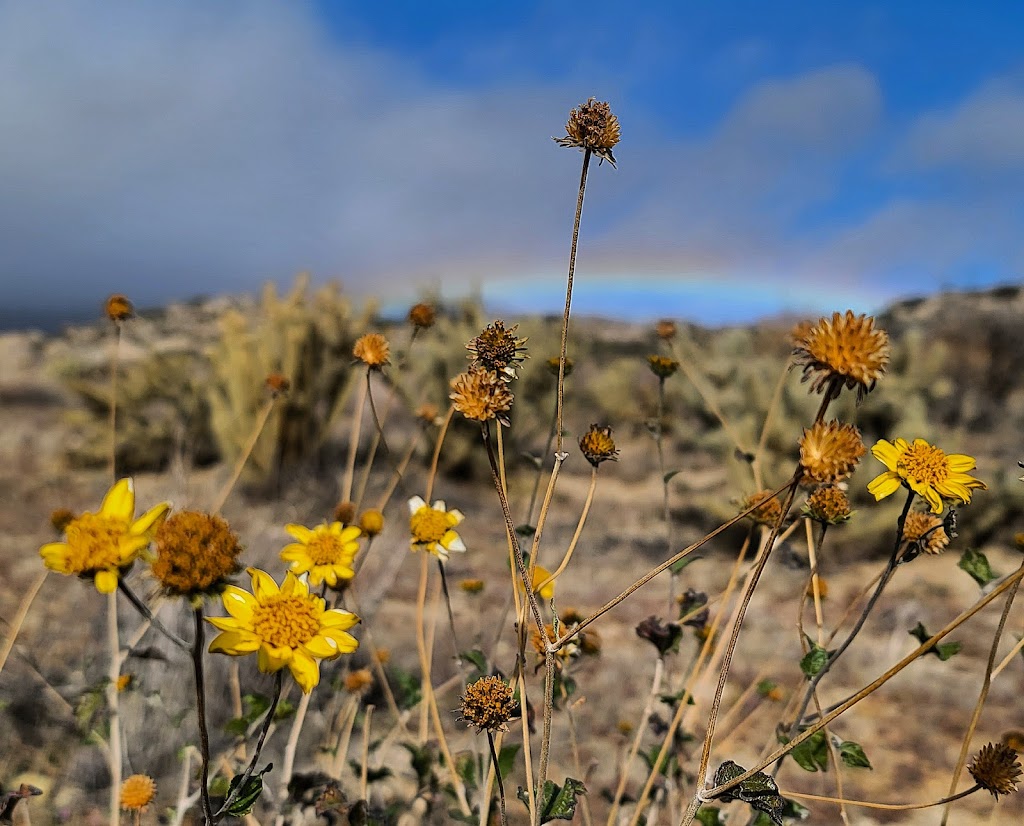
point(828, 505)
point(372, 350)
point(926, 531)
point(471, 586)
point(382, 655)
point(345, 512)
point(846, 348)
point(553, 363)
point(428, 414)
point(693, 610)
point(278, 384)
point(996, 768)
point(480, 395)
point(598, 445)
point(662, 366)
point(923, 468)
point(769, 512)
point(664, 636)
point(196, 553)
point(422, 316)
point(358, 681)
point(371, 521)
point(569, 651)
point(592, 127)
point(489, 704)
point(666, 329)
point(498, 349)
point(829, 452)
point(118, 308)
point(61, 518)
point(137, 792)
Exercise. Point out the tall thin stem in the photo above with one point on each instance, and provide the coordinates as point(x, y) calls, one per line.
point(353, 440)
point(114, 367)
point(113, 707)
point(243, 457)
point(267, 722)
point(497, 776)
point(204, 734)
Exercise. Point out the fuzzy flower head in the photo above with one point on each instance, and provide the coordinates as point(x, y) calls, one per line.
point(325, 552)
point(479, 395)
point(927, 531)
point(285, 626)
point(371, 522)
point(498, 349)
point(768, 512)
point(927, 471)
point(666, 329)
point(196, 553)
point(118, 308)
point(137, 792)
point(431, 528)
point(662, 366)
point(828, 505)
point(846, 348)
point(592, 127)
point(100, 545)
point(829, 452)
point(372, 350)
point(277, 384)
point(422, 316)
point(489, 704)
point(996, 768)
point(597, 445)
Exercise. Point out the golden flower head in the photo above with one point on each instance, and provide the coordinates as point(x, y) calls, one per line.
point(569, 651)
point(100, 545)
point(471, 586)
point(829, 452)
point(553, 364)
point(118, 308)
point(371, 522)
point(61, 518)
point(432, 528)
point(428, 414)
point(345, 512)
point(828, 505)
point(498, 349)
point(372, 350)
point(285, 626)
point(543, 589)
point(598, 445)
point(769, 512)
point(927, 471)
point(325, 552)
point(422, 316)
point(489, 704)
point(278, 384)
point(195, 554)
point(925, 530)
point(358, 681)
point(479, 395)
point(592, 127)
point(846, 348)
point(666, 329)
point(662, 366)
point(137, 792)
point(996, 768)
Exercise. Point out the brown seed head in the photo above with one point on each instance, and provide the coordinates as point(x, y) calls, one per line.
point(479, 394)
point(662, 366)
point(278, 384)
point(428, 414)
point(137, 792)
point(846, 348)
point(926, 530)
point(598, 445)
point(118, 308)
point(489, 704)
point(666, 329)
point(828, 505)
point(829, 452)
point(770, 510)
point(996, 768)
point(345, 512)
point(371, 521)
point(61, 518)
point(592, 126)
point(498, 349)
point(356, 682)
point(382, 655)
point(196, 553)
point(552, 365)
point(422, 316)
point(372, 350)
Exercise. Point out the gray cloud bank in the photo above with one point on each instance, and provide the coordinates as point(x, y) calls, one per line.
point(171, 149)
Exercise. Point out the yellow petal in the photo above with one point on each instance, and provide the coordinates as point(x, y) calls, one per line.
point(119, 503)
point(106, 581)
point(886, 453)
point(452, 542)
point(322, 646)
point(415, 503)
point(55, 555)
point(263, 585)
point(345, 643)
point(959, 463)
point(235, 643)
point(294, 551)
point(305, 671)
point(457, 515)
point(152, 519)
point(338, 620)
point(239, 603)
point(293, 586)
point(883, 485)
point(129, 547)
point(350, 534)
point(227, 624)
point(299, 532)
point(272, 658)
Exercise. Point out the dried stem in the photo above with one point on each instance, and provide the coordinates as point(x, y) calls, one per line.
point(19, 617)
point(353, 440)
point(114, 367)
point(204, 734)
point(267, 722)
point(148, 615)
point(261, 421)
point(867, 804)
point(364, 774)
point(497, 776)
point(114, 709)
point(576, 534)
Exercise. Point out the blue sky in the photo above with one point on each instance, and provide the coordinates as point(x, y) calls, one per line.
point(775, 156)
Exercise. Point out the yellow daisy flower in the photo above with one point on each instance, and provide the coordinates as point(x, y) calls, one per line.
point(286, 625)
point(431, 528)
point(100, 545)
point(924, 469)
point(325, 552)
point(540, 575)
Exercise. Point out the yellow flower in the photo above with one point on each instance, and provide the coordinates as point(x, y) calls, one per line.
point(325, 552)
point(286, 625)
point(137, 792)
point(431, 528)
point(924, 469)
point(539, 576)
point(373, 350)
point(100, 545)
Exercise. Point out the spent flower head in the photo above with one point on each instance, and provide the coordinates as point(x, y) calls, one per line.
point(597, 445)
point(372, 350)
point(196, 553)
point(326, 552)
point(828, 505)
point(432, 528)
point(489, 703)
point(666, 329)
point(830, 452)
point(422, 315)
point(925, 530)
point(592, 127)
point(769, 510)
point(996, 768)
point(498, 349)
point(118, 308)
point(662, 366)
point(278, 384)
point(926, 470)
point(480, 395)
point(847, 349)
point(99, 546)
point(553, 365)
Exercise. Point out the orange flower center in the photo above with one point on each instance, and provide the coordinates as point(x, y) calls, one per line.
point(429, 525)
point(94, 542)
point(286, 620)
point(924, 463)
point(326, 549)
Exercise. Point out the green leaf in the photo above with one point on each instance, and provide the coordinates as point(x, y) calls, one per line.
point(407, 687)
point(710, 816)
point(943, 650)
point(507, 759)
point(556, 802)
point(759, 791)
point(853, 755)
point(477, 658)
point(812, 754)
point(672, 700)
point(248, 794)
point(814, 660)
point(676, 567)
point(976, 564)
point(465, 765)
point(239, 726)
point(766, 687)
